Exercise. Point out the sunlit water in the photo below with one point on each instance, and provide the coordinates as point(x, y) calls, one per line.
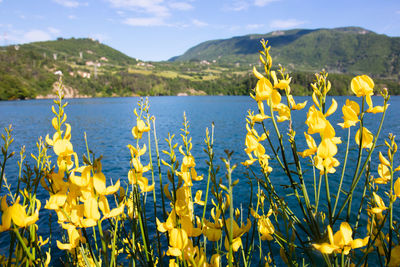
point(108, 123)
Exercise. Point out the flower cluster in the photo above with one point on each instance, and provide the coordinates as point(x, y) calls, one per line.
point(77, 193)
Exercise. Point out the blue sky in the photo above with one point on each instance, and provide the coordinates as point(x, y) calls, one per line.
point(160, 29)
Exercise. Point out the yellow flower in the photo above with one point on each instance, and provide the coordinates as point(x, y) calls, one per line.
point(383, 160)
point(312, 146)
point(384, 174)
point(263, 160)
point(74, 237)
point(17, 214)
point(56, 201)
point(315, 121)
point(283, 111)
point(178, 240)
point(342, 241)
point(169, 224)
point(395, 257)
point(236, 235)
point(362, 86)
point(197, 198)
point(265, 226)
point(397, 188)
point(213, 231)
point(91, 212)
point(105, 208)
point(137, 178)
point(252, 143)
point(380, 205)
point(215, 260)
point(327, 148)
point(293, 104)
point(350, 114)
point(258, 117)
point(99, 183)
point(140, 128)
point(281, 83)
point(326, 165)
point(367, 138)
point(263, 89)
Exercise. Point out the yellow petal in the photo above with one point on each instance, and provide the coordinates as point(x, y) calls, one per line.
point(115, 212)
point(332, 108)
point(63, 147)
point(197, 198)
point(178, 238)
point(367, 138)
point(346, 232)
point(397, 187)
point(91, 209)
point(383, 160)
point(327, 148)
point(257, 74)
point(54, 122)
point(112, 188)
point(362, 85)
point(358, 243)
point(325, 248)
point(99, 182)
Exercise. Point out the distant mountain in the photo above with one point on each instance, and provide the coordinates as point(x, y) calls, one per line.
point(90, 68)
point(349, 50)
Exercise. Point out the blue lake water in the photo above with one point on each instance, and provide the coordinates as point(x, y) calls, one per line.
point(108, 123)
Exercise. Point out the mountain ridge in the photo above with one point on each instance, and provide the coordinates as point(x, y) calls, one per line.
point(351, 50)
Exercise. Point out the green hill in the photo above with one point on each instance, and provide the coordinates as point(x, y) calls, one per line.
point(79, 50)
point(28, 71)
point(90, 68)
point(348, 50)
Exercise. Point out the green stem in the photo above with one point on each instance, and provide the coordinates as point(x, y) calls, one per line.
point(103, 243)
point(328, 197)
point(154, 194)
point(113, 261)
point(343, 171)
point(159, 169)
point(21, 241)
point(210, 152)
point(355, 182)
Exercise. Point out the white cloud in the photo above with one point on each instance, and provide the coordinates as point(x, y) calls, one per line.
point(70, 3)
point(254, 26)
point(71, 17)
point(284, 24)
point(199, 23)
point(180, 6)
point(53, 30)
point(149, 12)
point(154, 7)
point(36, 36)
point(398, 12)
point(151, 21)
point(121, 13)
point(238, 5)
point(263, 2)
point(16, 36)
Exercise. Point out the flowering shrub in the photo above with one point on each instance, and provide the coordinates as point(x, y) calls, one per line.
point(107, 223)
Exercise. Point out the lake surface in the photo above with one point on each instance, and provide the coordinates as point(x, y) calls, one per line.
point(108, 123)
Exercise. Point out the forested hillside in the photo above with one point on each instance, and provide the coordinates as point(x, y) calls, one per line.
point(92, 69)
